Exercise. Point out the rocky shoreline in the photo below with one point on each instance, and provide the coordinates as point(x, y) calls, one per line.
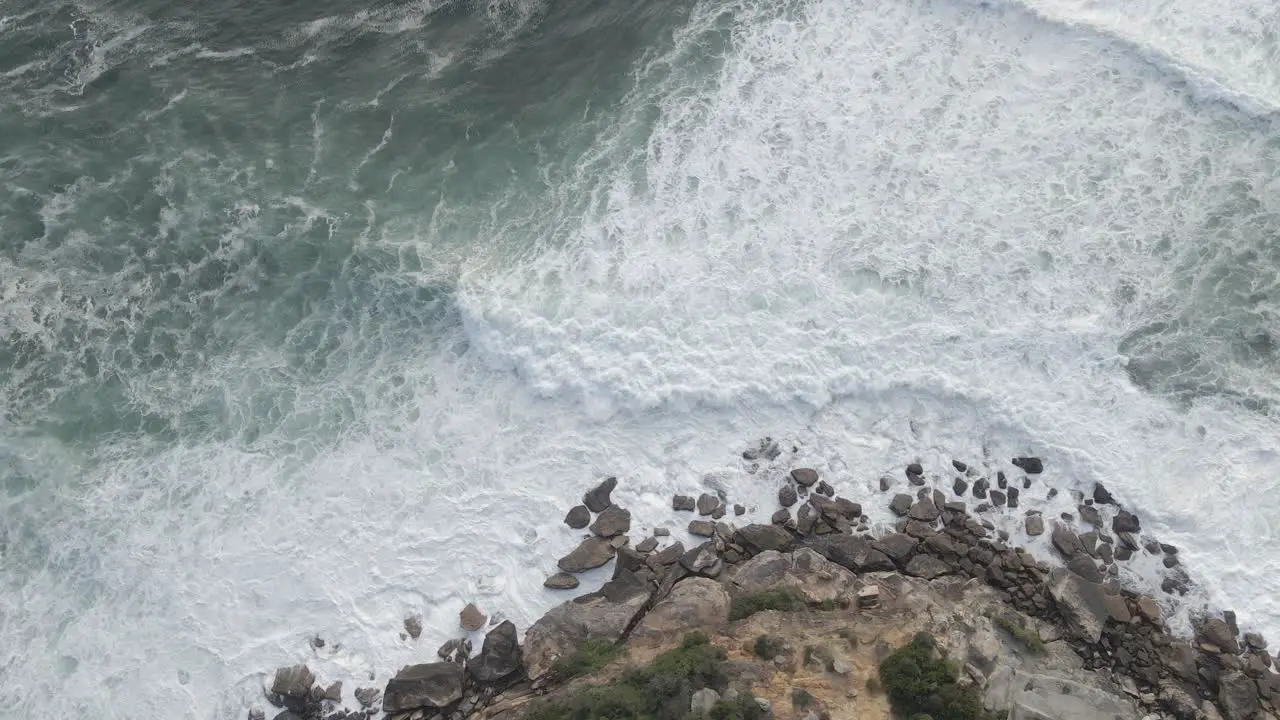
point(1037, 639)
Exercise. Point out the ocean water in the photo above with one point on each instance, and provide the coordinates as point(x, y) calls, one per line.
point(313, 316)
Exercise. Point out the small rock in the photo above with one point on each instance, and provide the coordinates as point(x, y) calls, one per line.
point(333, 693)
point(449, 648)
point(368, 697)
point(1035, 525)
point(413, 626)
point(1053, 493)
point(597, 498)
point(901, 504)
point(702, 528)
point(804, 477)
point(707, 504)
point(471, 618)
point(613, 521)
point(1101, 496)
point(683, 503)
point(702, 703)
point(739, 510)
point(781, 517)
point(293, 682)
point(869, 596)
point(1255, 641)
point(561, 581)
point(927, 567)
point(257, 713)
point(1090, 514)
point(1149, 609)
point(1170, 561)
point(886, 482)
point(825, 489)
point(1001, 482)
point(997, 498)
point(915, 469)
point(578, 517)
point(718, 512)
point(1026, 483)
point(959, 466)
point(647, 545)
point(980, 487)
point(661, 532)
point(959, 487)
point(1014, 495)
point(317, 642)
point(1219, 633)
point(787, 496)
point(1029, 465)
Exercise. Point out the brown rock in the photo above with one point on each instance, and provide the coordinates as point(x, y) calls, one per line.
point(611, 522)
point(1217, 632)
point(927, 567)
point(804, 477)
point(1150, 609)
point(707, 504)
point(702, 528)
point(683, 503)
point(781, 517)
point(432, 685)
point(471, 618)
point(590, 553)
point(597, 498)
point(578, 517)
point(647, 545)
point(413, 626)
point(924, 510)
point(694, 604)
point(561, 581)
point(1035, 525)
point(787, 496)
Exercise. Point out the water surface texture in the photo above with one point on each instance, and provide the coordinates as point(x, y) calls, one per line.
point(314, 315)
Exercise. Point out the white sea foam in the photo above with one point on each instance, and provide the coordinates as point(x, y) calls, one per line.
point(876, 232)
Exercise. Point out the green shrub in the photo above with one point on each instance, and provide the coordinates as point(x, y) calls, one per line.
point(919, 682)
point(1029, 638)
point(660, 691)
point(785, 599)
point(593, 655)
point(768, 647)
point(743, 708)
point(828, 605)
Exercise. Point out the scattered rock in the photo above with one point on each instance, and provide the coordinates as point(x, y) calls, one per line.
point(1090, 514)
point(759, 538)
point(886, 482)
point(661, 532)
point(450, 648)
point(804, 477)
point(1084, 566)
point(1238, 696)
point(997, 498)
point(368, 697)
point(959, 487)
point(683, 503)
point(707, 503)
point(578, 517)
point(825, 489)
point(739, 510)
point(647, 545)
point(613, 521)
point(1255, 641)
point(980, 487)
point(901, 504)
point(413, 626)
point(1125, 522)
point(590, 553)
point(781, 517)
point(293, 684)
point(898, 547)
point(257, 713)
point(1101, 496)
point(317, 642)
point(1014, 495)
point(471, 618)
point(959, 466)
point(561, 581)
point(1218, 632)
point(1029, 465)
point(923, 510)
point(1066, 541)
point(619, 542)
point(1035, 525)
point(853, 552)
point(703, 560)
point(430, 685)
point(332, 693)
point(597, 498)
point(702, 528)
point(915, 469)
point(787, 496)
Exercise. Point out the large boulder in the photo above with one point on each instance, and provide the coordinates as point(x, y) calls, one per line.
point(597, 498)
point(694, 604)
point(927, 567)
point(590, 553)
point(758, 538)
point(499, 657)
point(430, 685)
point(293, 684)
point(1085, 605)
point(1238, 695)
point(600, 615)
point(805, 477)
point(1218, 632)
point(924, 510)
point(1126, 522)
point(898, 547)
point(854, 552)
point(816, 578)
point(612, 522)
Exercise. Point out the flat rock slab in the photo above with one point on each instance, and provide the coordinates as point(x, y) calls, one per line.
point(694, 604)
point(1030, 696)
point(590, 553)
point(431, 685)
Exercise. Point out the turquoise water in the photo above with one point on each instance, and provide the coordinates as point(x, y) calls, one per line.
point(315, 316)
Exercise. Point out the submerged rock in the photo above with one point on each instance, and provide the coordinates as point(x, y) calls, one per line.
point(471, 618)
point(293, 685)
point(413, 626)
